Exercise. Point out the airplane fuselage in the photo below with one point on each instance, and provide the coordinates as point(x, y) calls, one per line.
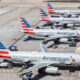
point(68, 12)
point(34, 57)
point(53, 33)
point(66, 20)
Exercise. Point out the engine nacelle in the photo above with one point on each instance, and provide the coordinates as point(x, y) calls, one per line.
point(70, 25)
point(51, 70)
point(73, 16)
point(63, 40)
point(70, 15)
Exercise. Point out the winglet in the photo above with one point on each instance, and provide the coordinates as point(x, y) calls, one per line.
point(43, 48)
point(2, 46)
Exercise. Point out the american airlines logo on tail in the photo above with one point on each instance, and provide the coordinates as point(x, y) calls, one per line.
point(26, 28)
point(44, 16)
point(50, 8)
point(23, 24)
point(3, 52)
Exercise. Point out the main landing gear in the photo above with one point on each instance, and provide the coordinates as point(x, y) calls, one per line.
point(72, 44)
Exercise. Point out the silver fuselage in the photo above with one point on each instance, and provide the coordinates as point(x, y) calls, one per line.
point(34, 57)
point(68, 12)
point(54, 33)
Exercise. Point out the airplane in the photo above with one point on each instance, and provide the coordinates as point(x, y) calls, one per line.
point(67, 22)
point(44, 61)
point(68, 13)
point(62, 36)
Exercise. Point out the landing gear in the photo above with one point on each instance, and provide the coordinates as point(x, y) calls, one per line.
point(72, 44)
point(72, 70)
point(41, 70)
point(56, 44)
point(9, 66)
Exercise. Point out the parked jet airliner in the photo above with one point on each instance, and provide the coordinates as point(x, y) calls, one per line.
point(50, 34)
point(59, 20)
point(70, 13)
point(41, 60)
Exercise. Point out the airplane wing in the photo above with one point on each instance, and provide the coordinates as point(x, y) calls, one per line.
point(65, 22)
point(43, 48)
point(35, 67)
point(52, 38)
point(70, 13)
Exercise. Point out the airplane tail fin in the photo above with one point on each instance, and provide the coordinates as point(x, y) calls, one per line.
point(25, 24)
point(50, 8)
point(44, 16)
point(4, 52)
point(26, 28)
point(2, 46)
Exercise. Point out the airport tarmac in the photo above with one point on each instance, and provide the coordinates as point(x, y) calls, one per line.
point(10, 35)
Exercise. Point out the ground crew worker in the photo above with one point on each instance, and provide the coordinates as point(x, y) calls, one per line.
point(28, 75)
point(23, 67)
point(21, 76)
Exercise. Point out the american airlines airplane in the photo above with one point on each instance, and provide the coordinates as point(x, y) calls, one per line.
point(59, 20)
point(70, 13)
point(44, 61)
point(63, 36)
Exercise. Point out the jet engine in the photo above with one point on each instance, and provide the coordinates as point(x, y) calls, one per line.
point(70, 16)
point(63, 40)
point(70, 25)
point(73, 16)
point(49, 70)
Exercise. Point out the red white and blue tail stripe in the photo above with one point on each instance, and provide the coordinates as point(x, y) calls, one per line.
point(26, 28)
point(44, 16)
point(4, 52)
point(25, 24)
point(2, 46)
point(50, 8)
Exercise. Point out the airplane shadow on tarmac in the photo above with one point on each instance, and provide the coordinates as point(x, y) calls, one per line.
point(55, 45)
point(33, 38)
point(39, 76)
point(71, 69)
point(58, 43)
